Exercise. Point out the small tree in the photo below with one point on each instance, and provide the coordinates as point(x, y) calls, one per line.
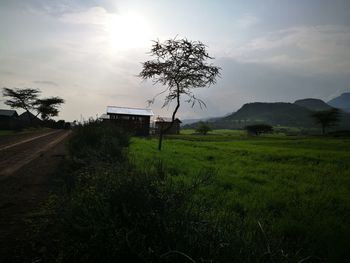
point(203, 128)
point(180, 65)
point(258, 129)
point(48, 107)
point(21, 99)
point(327, 118)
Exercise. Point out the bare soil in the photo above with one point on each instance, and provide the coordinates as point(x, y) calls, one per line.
point(17, 137)
point(26, 172)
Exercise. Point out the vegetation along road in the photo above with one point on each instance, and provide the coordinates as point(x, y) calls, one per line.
point(26, 163)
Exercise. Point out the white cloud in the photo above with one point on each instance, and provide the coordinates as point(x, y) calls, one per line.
point(318, 49)
point(247, 20)
point(93, 16)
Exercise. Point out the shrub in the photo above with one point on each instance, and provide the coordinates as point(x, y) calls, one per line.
point(203, 128)
point(117, 214)
point(98, 141)
point(258, 129)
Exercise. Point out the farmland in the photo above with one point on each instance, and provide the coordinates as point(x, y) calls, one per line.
point(295, 190)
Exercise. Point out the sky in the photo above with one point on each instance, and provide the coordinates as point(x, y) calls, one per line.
point(89, 52)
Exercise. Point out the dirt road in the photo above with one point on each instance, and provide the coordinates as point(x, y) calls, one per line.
point(26, 167)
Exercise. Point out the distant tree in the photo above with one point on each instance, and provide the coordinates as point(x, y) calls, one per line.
point(48, 107)
point(21, 99)
point(203, 128)
point(27, 99)
point(182, 66)
point(258, 129)
point(327, 118)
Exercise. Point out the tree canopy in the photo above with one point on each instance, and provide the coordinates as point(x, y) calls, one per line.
point(258, 129)
point(203, 128)
point(21, 98)
point(182, 66)
point(327, 118)
point(48, 107)
point(28, 100)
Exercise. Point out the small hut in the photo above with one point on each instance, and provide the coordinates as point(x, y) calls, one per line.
point(27, 118)
point(164, 123)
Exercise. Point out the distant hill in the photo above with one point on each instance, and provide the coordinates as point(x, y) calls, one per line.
point(280, 113)
point(296, 114)
point(313, 104)
point(341, 102)
point(188, 122)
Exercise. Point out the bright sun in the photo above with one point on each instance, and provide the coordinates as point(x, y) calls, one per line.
point(127, 31)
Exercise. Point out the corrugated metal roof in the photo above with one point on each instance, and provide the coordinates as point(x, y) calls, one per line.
point(129, 111)
point(8, 113)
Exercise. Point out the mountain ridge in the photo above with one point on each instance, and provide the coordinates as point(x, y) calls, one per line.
point(341, 102)
point(297, 114)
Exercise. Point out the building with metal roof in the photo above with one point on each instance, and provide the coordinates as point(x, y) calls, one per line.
point(133, 120)
point(129, 111)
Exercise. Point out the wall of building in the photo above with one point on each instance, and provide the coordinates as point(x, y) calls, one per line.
point(137, 125)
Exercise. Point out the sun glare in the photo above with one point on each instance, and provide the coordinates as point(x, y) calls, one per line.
point(127, 31)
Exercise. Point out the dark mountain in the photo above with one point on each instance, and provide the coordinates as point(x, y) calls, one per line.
point(188, 122)
point(296, 114)
point(280, 113)
point(313, 104)
point(341, 102)
point(320, 105)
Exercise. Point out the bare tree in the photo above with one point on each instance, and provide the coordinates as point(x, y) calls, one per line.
point(180, 65)
point(327, 118)
point(21, 99)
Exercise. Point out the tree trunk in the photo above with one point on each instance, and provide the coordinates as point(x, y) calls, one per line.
point(163, 131)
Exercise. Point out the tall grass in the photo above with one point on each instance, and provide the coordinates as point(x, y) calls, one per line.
point(180, 206)
point(295, 190)
point(114, 212)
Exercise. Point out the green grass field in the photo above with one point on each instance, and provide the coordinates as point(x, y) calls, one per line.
point(298, 188)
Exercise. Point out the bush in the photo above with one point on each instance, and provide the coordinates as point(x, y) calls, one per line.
point(203, 128)
point(98, 141)
point(116, 214)
point(258, 129)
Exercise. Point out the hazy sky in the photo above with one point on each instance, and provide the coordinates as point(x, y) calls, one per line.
point(90, 51)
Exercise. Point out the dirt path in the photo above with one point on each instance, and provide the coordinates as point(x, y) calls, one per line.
point(25, 173)
point(15, 156)
point(25, 140)
point(20, 136)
